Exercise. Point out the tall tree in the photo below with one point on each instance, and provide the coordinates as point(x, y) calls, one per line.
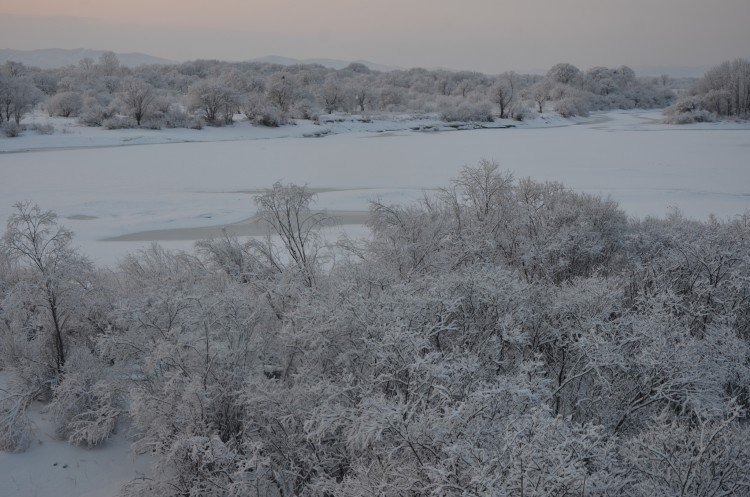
point(138, 96)
point(503, 92)
point(54, 273)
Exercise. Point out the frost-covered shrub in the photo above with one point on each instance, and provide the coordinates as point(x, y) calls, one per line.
point(466, 112)
point(94, 114)
point(42, 129)
point(25, 383)
point(178, 118)
point(571, 106)
point(622, 101)
point(304, 109)
point(85, 405)
point(96, 108)
point(151, 123)
point(92, 117)
point(119, 122)
point(674, 458)
point(11, 129)
point(15, 427)
point(262, 113)
point(195, 123)
point(22, 344)
point(65, 104)
point(569, 101)
point(269, 119)
point(688, 110)
point(518, 111)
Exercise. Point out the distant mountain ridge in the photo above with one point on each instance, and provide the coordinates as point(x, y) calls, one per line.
point(330, 63)
point(674, 71)
point(50, 58)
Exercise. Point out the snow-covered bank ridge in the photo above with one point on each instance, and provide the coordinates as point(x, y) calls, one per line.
point(69, 134)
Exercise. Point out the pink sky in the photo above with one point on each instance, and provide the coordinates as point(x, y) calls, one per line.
point(484, 35)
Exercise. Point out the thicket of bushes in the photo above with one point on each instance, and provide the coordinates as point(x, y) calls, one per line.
point(503, 337)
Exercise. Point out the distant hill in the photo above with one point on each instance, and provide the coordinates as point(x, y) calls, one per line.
point(652, 71)
point(330, 63)
point(50, 58)
point(673, 71)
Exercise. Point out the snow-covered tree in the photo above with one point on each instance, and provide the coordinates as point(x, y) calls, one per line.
point(214, 101)
point(723, 91)
point(54, 277)
point(539, 93)
point(281, 91)
point(503, 92)
point(108, 64)
point(17, 97)
point(286, 211)
point(138, 98)
point(564, 73)
point(65, 104)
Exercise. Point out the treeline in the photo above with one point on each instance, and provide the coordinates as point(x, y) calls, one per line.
point(503, 337)
point(210, 92)
point(722, 92)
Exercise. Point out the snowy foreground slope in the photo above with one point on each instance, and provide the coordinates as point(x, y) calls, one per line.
point(175, 191)
point(54, 467)
point(198, 178)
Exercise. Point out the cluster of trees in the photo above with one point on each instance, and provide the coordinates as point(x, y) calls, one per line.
point(722, 92)
point(504, 337)
point(18, 95)
point(575, 92)
point(104, 93)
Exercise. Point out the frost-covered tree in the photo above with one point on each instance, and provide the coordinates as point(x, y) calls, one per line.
point(138, 98)
point(108, 64)
point(281, 92)
point(539, 93)
point(214, 101)
point(332, 95)
point(503, 92)
point(676, 457)
point(65, 104)
point(17, 97)
point(87, 403)
point(723, 91)
point(363, 92)
point(55, 279)
point(286, 210)
point(564, 73)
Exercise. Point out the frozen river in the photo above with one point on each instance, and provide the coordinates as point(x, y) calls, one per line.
point(119, 191)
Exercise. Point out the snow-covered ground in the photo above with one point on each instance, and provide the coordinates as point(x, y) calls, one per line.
point(103, 189)
point(69, 134)
point(51, 467)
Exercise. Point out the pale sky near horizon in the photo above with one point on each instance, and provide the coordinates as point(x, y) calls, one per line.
point(483, 35)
